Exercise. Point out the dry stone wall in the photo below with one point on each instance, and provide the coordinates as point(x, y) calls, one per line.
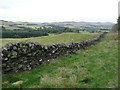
point(24, 56)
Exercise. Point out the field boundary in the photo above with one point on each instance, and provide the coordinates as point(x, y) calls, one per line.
point(22, 56)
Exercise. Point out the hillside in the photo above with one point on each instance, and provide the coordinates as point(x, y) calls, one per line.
point(52, 38)
point(86, 25)
point(31, 29)
point(96, 67)
point(27, 30)
point(101, 26)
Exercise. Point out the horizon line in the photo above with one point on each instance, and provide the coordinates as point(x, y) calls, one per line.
point(60, 21)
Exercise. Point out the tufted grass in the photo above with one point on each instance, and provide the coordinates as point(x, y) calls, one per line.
point(53, 38)
point(96, 67)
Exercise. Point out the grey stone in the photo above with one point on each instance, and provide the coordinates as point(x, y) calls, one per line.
point(31, 54)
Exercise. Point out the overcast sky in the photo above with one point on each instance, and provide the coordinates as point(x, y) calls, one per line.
point(59, 10)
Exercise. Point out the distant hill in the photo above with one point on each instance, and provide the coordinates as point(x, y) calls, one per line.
point(6, 22)
point(60, 23)
point(16, 23)
point(86, 25)
point(79, 26)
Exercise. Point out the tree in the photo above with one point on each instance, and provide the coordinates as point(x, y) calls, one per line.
point(3, 28)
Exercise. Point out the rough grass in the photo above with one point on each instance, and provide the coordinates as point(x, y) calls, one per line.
point(52, 38)
point(96, 67)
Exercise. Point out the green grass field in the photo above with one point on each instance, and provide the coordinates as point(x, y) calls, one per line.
point(95, 67)
point(53, 38)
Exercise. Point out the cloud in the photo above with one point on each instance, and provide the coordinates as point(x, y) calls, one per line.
point(59, 10)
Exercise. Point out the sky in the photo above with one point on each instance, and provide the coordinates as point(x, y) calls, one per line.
point(59, 10)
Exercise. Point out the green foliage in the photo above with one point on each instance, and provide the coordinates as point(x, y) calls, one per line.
point(26, 30)
point(54, 29)
point(3, 28)
point(22, 34)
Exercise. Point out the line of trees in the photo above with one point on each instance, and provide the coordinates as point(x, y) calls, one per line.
point(17, 34)
point(24, 32)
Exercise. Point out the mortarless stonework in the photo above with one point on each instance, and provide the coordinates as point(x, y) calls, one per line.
point(22, 56)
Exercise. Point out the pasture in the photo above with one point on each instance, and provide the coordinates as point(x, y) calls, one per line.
point(53, 38)
point(95, 67)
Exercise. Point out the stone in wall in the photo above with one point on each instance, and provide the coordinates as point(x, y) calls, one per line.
point(22, 56)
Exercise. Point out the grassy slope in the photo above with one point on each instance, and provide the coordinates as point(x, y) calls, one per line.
point(64, 38)
point(17, 26)
point(96, 67)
